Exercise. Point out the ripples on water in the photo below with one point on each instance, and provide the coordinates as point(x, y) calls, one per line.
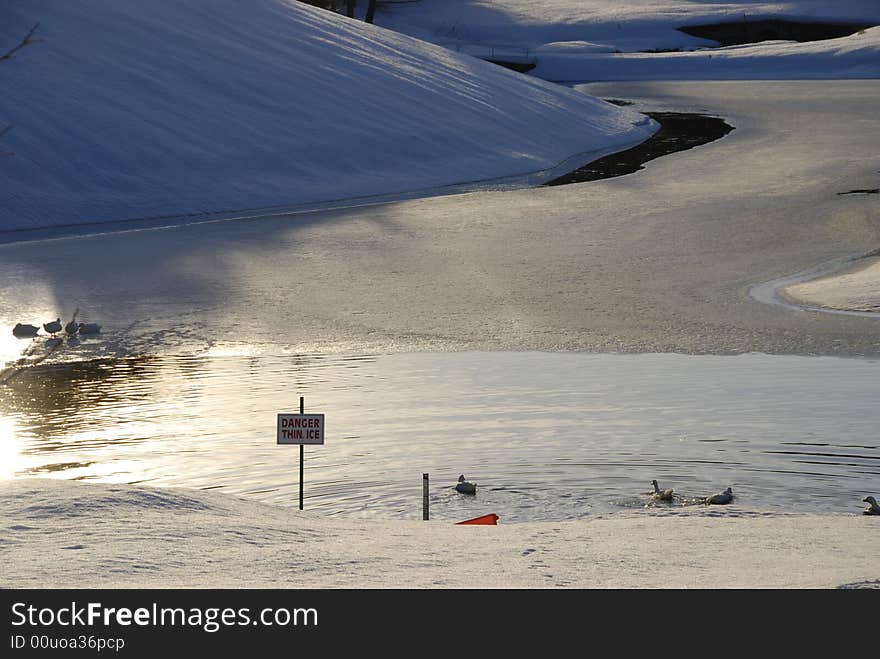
point(545, 435)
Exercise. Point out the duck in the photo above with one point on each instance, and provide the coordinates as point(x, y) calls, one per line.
point(71, 328)
point(53, 326)
point(89, 328)
point(720, 498)
point(465, 487)
point(21, 329)
point(661, 495)
point(872, 508)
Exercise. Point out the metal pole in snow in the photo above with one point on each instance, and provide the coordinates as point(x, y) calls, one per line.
point(425, 496)
point(301, 458)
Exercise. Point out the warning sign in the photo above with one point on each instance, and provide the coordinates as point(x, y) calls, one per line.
point(300, 428)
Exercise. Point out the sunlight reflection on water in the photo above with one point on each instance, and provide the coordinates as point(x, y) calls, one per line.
point(545, 435)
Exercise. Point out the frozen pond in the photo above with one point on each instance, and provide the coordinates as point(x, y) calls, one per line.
point(545, 435)
point(470, 334)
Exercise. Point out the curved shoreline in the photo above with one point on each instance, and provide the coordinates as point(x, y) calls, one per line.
point(771, 292)
point(679, 131)
point(507, 182)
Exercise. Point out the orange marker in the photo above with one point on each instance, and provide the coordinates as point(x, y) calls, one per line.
point(491, 518)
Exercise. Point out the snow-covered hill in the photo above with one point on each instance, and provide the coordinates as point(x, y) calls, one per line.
point(126, 109)
point(591, 40)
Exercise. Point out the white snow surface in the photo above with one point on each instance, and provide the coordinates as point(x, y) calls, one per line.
point(855, 289)
point(624, 26)
point(123, 109)
point(856, 56)
point(587, 41)
point(59, 534)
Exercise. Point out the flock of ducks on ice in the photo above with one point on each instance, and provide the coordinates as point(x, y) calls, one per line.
point(53, 327)
point(719, 499)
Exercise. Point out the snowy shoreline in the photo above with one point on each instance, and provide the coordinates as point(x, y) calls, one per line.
point(851, 289)
point(73, 534)
point(849, 286)
point(123, 225)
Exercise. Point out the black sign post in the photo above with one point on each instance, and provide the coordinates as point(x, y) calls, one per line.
point(301, 429)
point(302, 457)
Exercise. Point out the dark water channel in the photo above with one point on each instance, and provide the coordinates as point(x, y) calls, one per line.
point(754, 31)
point(679, 131)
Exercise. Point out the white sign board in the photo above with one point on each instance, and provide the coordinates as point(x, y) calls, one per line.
point(300, 428)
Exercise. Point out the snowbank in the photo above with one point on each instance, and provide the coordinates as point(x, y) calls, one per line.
point(124, 109)
point(71, 534)
point(571, 40)
point(853, 289)
point(622, 26)
point(856, 56)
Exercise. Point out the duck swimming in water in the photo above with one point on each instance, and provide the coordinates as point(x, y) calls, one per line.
point(661, 495)
point(873, 508)
point(464, 487)
point(89, 328)
point(720, 498)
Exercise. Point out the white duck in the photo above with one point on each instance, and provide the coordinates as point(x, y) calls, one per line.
point(720, 498)
point(465, 487)
point(872, 508)
point(53, 326)
point(661, 495)
point(25, 330)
